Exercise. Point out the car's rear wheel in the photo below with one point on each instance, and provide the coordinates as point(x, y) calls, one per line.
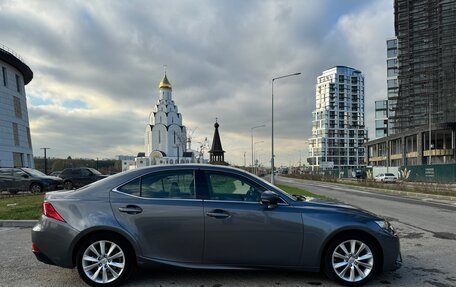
point(351, 259)
point(105, 260)
point(36, 188)
point(68, 184)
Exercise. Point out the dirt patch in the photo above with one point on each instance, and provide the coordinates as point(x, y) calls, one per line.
point(445, 235)
point(437, 283)
point(413, 235)
point(428, 270)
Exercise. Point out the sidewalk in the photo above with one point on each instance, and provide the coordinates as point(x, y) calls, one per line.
point(18, 223)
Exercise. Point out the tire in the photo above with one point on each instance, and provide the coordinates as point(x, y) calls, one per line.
point(109, 267)
point(36, 188)
point(68, 184)
point(351, 265)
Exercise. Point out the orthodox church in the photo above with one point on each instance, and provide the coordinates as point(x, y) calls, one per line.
point(165, 138)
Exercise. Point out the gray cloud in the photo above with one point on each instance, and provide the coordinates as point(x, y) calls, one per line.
point(221, 56)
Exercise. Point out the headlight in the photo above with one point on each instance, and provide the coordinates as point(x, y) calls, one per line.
point(385, 225)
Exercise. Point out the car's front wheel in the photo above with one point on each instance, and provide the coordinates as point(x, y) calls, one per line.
point(351, 259)
point(105, 260)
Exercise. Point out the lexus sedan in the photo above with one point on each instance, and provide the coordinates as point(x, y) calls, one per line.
point(204, 216)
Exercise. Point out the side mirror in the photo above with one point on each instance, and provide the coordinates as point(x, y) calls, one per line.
point(25, 176)
point(269, 198)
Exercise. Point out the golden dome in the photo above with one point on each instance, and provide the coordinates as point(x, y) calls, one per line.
point(165, 84)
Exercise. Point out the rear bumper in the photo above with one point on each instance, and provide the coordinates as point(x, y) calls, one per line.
point(54, 242)
point(43, 258)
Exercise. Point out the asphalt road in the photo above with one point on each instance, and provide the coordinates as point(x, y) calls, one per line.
point(428, 241)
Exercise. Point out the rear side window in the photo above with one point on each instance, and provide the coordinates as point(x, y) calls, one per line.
point(133, 187)
point(5, 171)
point(169, 184)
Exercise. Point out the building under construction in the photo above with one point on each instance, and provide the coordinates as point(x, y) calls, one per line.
point(426, 33)
point(423, 121)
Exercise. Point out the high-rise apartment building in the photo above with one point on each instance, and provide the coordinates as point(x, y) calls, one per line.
point(381, 118)
point(338, 129)
point(426, 35)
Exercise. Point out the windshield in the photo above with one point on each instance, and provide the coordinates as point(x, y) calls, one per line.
point(94, 171)
point(33, 172)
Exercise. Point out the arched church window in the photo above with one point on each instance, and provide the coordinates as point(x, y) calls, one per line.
point(159, 136)
point(174, 137)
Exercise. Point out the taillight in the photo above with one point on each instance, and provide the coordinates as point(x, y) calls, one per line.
point(49, 211)
point(35, 248)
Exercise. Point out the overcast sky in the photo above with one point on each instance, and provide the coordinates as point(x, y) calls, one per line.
point(97, 66)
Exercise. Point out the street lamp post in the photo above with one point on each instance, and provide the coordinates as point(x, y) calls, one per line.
point(251, 136)
point(272, 121)
point(45, 158)
point(255, 169)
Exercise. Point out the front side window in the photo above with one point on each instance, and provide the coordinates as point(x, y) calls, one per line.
point(167, 184)
point(5, 171)
point(19, 173)
point(233, 188)
point(86, 172)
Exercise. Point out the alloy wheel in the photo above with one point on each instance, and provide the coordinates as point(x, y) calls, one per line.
point(103, 261)
point(352, 260)
point(36, 188)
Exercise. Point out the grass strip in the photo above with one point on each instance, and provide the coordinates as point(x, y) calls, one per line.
point(294, 190)
point(21, 207)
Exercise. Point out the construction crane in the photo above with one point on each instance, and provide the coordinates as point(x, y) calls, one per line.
point(189, 138)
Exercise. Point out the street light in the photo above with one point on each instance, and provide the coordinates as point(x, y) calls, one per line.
point(45, 158)
point(251, 135)
point(255, 170)
point(272, 122)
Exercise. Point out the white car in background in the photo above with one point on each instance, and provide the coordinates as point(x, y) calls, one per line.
point(385, 177)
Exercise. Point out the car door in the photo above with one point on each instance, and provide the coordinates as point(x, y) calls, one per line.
point(21, 180)
point(161, 211)
point(239, 230)
point(86, 177)
point(6, 179)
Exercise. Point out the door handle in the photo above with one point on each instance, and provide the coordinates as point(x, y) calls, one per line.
point(131, 209)
point(218, 214)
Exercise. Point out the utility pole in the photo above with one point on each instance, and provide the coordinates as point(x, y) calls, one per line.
point(45, 159)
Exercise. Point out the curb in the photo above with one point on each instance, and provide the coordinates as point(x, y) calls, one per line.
point(18, 223)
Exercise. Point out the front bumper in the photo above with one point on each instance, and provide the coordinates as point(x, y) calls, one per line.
point(392, 258)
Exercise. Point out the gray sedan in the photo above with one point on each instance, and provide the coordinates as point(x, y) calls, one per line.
point(201, 216)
